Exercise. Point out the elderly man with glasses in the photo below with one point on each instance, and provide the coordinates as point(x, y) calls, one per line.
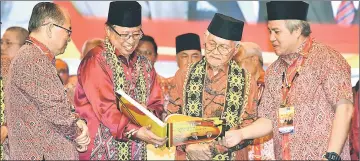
point(39, 119)
point(217, 86)
point(107, 68)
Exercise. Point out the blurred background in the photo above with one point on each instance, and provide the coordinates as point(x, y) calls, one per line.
point(164, 20)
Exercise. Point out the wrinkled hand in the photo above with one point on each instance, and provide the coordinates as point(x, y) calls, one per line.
point(83, 139)
point(232, 138)
point(146, 135)
point(4, 133)
point(198, 152)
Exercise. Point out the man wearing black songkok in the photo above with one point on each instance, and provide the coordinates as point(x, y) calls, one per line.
point(111, 66)
point(188, 49)
point(217, 87)
point(310, 85)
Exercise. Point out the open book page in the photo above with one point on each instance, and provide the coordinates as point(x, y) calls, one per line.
point(180, 129)
point(190, 130)
point(139, 115)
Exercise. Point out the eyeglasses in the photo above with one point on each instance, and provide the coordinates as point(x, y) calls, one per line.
point(127, 36)
point(69, 31)
point(222, 48)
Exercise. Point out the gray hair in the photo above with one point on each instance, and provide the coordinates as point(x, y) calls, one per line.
point(252, 49)
point(22, 33)
point(43, 11)
point(292, 25)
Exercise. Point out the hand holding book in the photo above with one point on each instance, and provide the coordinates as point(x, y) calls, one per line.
point(179, 129)
point(149, 137)
point(232, 138)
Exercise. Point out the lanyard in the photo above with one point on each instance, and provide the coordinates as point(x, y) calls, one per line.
point(293, 71)
point(290, 74)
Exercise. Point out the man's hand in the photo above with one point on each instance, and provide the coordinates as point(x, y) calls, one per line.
point(198, 152)
point(83, 139)
point(4, 133)
point(146, 135)
point(232, 138)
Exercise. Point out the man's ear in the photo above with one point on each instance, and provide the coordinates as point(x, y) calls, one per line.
point(206, 34)
point(297, 32)
point(107, 30)
point(177, 59)
point(237, 47)
point(48, 30)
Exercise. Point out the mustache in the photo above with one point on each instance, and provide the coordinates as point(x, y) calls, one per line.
point(129, 44)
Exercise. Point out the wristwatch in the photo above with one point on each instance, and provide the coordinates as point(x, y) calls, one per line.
point(332, 156)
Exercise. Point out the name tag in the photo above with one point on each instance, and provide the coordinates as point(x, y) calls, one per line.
point(286, 119)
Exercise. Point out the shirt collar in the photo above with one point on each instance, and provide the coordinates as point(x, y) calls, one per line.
point(221, 70)
point(44, 49)
point(132, 58)
point(303, 49)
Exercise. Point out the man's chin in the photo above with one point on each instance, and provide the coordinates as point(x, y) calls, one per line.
point(213, 63)
point(277, 52)
point(125, 53)
point(59, 53)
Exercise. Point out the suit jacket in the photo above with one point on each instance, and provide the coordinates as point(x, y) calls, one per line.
point(322, 12)
point(229, 8)
point(262, 11)
point(164, 9)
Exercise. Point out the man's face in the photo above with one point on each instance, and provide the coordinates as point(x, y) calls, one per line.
point(186, 57)
point(218, 51)
point(281, 39)
point(125, 39)
point(250, 63)
point(10, 44)
point(147, 49)
point(60, 35)
point(247, 61)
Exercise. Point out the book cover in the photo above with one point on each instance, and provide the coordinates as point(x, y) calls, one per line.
point(179, 129)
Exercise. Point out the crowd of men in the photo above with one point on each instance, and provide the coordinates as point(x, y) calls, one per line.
point(301, 107)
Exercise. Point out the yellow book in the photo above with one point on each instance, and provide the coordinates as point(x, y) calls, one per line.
point(179, 129)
